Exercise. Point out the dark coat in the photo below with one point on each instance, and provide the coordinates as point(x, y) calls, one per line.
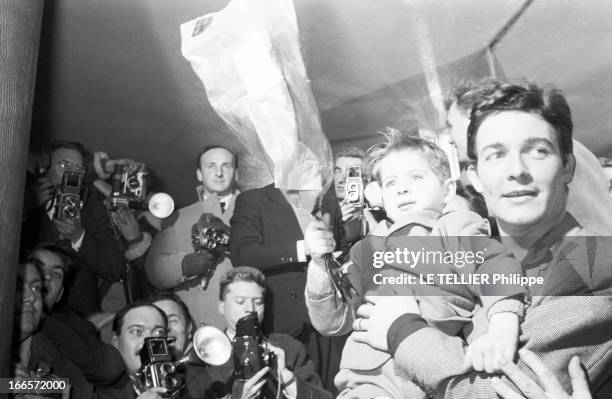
point(264, 232)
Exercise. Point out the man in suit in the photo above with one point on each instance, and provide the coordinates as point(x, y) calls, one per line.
point(267, 233)
point(172, 262)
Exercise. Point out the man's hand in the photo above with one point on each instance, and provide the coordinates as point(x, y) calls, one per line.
point(71, 229)
point(497, 346)
point(549, 388)
point(153, 393)
point(377, 314)
point(125, 220)
point(44, 191)
point(199, 264)
point(131, 165)
point(250, 389)
point(347, 209)
point(286, 375)
point(318, 240)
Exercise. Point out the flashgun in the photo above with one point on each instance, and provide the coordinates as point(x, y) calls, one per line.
point(161, 205)
point(373, 194)
point(212, 346)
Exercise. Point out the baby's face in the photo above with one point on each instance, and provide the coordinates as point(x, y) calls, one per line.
point(409, 184)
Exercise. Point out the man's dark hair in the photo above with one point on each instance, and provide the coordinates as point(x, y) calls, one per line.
point(524, 96)
point(474, 198)
point(69, 260)
point(166, 295)
point(71, 145)
point(241, 273)
point(351, 152)
point(118, 319)
point(469, 92)
point(207, 148)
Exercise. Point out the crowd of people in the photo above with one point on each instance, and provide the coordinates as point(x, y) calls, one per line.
point(531, 203)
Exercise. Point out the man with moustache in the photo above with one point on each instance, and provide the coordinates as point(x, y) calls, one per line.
point(131, 325)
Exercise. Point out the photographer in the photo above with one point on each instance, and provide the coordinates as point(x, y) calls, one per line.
point(242, 292)
point(134, 227)
point(342, 213)
point(84, 229)
point(131, 326)
point(173, 262)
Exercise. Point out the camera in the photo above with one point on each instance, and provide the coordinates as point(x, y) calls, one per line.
point(210, 234)
point(157, 368)
point(208, 238)
point(250, 348)
point(68, 201)
point(353, 191)
point(127, 189)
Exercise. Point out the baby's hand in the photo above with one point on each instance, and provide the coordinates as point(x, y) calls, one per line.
point(497, 347)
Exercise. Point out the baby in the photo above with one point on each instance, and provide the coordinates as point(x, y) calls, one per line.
point(415, 183)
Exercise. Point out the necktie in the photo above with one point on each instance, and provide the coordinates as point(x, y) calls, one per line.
point(222, 206)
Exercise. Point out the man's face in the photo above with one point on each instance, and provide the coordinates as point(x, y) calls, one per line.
point(28, 300)
point(178, 329)
point(241, 298)
point(340, 169)
point(52, 270)
point(138, 324)
point(457, 123)
point(409, 184)
point(62, 159)
point(520, 171)
point(217, 171)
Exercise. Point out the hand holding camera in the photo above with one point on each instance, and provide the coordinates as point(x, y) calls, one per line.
point(201, 263)
point(44, 191)
point(157, 373)
point(209, 237)
point(210, 234)
point(250, 389)
point(318, 240)
point(127, 224)
point(348, 210)
point(71, 229)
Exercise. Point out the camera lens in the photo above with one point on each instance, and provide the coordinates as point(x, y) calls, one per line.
point(167, 368)
point(70, 211)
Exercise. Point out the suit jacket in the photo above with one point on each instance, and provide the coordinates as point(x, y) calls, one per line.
point(163, 263)
point(215, 381)
point(99, 256)
point(264, 235)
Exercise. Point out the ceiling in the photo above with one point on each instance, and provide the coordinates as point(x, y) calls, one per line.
point(111, 74)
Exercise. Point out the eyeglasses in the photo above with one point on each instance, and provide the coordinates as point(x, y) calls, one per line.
point(77, 167)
